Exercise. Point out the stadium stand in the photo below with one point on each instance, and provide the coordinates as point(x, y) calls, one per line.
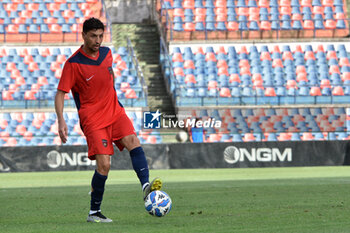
point(253, 19)
point(48, 21)
point(274, 124)
point(271, 79)
point(260, 74)
point(288, 90)
point(29, 77)
point(40, 128)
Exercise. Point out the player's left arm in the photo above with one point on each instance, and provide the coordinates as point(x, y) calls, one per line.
point(110, 68)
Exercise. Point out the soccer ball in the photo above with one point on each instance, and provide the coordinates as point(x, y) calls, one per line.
point(158, 203)
point(182, 136)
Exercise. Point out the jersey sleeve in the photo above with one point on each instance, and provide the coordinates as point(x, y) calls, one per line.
point(67, 80)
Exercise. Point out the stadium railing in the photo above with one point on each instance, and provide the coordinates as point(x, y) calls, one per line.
point(182, 98)
point(138, 69)
point(61, 34)
point(167, 70)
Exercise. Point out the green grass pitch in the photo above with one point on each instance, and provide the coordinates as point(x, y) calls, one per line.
point(304, 199)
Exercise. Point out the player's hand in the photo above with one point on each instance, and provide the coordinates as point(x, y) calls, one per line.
point(63, 130)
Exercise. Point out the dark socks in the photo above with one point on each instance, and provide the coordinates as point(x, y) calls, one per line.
point(139, 163)
point(98, 187)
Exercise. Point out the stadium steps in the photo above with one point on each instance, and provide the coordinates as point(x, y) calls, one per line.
point(158, 97)
point(145, 41)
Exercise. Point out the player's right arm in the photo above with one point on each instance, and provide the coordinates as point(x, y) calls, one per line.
point(62, 126)
point(66, 83)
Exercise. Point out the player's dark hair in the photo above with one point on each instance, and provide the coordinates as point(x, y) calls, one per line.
point(92, 24)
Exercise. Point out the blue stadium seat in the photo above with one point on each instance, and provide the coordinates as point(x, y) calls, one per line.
point(33, 28)
point(178, 26)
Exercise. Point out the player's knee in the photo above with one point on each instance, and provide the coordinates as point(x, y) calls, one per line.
point(130, 142)
point(103, 166)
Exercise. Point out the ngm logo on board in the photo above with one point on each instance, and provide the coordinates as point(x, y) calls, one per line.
point(233, 154)
point(152, 120)
point(57, 159)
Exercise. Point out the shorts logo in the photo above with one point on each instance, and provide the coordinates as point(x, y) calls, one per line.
point(151, 120)
point(104, 142)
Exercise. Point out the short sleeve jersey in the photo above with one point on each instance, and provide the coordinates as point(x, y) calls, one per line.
point(91, 81)
point(197, 134)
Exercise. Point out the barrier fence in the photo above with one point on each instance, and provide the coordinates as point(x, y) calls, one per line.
point(183, 155)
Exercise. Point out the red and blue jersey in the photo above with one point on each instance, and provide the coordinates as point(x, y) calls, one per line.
point(91, 81)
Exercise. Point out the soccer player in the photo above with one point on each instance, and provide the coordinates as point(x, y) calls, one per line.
point(196, 133)
point(89, 75)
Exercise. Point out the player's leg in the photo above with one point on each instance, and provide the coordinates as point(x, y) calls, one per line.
point(139, 163)
point(138, 158)
point(97, 189)
point(100, 148)
point(124, 136)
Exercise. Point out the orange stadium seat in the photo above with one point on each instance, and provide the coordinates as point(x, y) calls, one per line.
point(248, 137)
point(21, 129)
point(220, 64)
point(234, 78)
point(10, 66)
point(29, 95)
point(327, 3)
point(42, 81)
point(61, 58)
point(58, 73)
point(189, 27)
point(331, 54)
point(307, 136)
point(130, 93)
point(53, 7)
point(270, 91)
point(177, 57)
point(225, 92)
point(11, 142)
point(57, 141)
point(212, 84)
point(330, 24)
point(306, 3)
point(189, 64)
point(7, 95)
point(20, 81)
point(15, 73)
point(210, 57)
point(338, 91)
point(263, 4)
point(190, 78)
point(345, 76)
point(334, 69)
point(32, 6)
point(33, 66)
point(188, 4)
point(220, 3)
point(151, 139)
point(124, 86)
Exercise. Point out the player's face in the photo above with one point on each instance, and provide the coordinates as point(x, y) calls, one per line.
point(93, 40)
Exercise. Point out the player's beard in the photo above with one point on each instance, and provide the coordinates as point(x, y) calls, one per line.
point(95, 48)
